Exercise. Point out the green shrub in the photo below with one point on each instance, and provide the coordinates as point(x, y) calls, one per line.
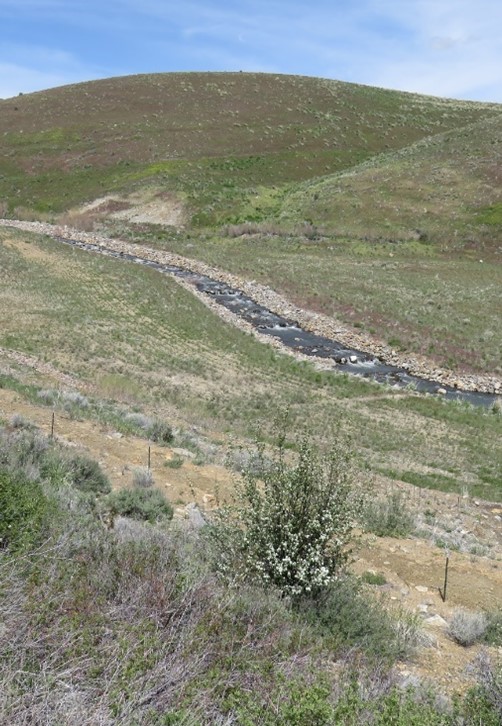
point(160, 432)
point(143, 504)
point(26, 452)
point(299, 703)
point(292, 521)
point(493, 632)
point(86, 475)
point(388, 517)
point(373, 578)
point(361, 703)
point(23, 451)
point(24, 512)
point(483, 702)
point(350, 618)
point(175, 463)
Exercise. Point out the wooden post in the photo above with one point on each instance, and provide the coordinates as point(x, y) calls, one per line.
point(149, 456)
point(443, 592)
point(52, 425)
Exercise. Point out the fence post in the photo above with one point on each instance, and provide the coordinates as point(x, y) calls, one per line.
point(443, 591)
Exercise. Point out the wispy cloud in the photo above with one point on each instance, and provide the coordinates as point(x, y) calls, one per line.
point(441, 47)
point(27, 68)
point(456, 49)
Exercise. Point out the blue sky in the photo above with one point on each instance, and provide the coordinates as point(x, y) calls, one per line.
point(440, 47)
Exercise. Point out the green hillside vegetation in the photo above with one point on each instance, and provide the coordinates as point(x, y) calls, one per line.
point(209, 137)
point(343, 197)
point(446, 188)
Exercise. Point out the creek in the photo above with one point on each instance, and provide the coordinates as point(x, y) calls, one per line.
point(291, 335)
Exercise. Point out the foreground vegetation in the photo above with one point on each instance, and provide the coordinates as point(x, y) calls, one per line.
point(131, 624)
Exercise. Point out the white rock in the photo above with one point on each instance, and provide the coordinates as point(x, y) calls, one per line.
point(195, 516)
point(436, 620)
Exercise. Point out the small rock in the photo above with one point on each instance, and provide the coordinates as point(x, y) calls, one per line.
point(442, 391)
point(410, 681)
point(195, 516)
point(184, 452)
point(421, 588)
point(353, 358)
point(436, 620)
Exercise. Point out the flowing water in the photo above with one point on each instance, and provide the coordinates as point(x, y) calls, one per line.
point(349, 360)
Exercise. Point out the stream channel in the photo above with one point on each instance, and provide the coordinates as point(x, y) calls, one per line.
point(294, 337)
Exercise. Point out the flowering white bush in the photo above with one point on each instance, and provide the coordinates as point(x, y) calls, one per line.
point(292, 522)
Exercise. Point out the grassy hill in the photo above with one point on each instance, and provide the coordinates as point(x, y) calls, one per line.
point(447, 188)
point(208, 137)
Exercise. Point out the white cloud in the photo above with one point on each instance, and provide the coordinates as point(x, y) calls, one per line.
point(456, 49)
point(24, 69)
point(15, 79)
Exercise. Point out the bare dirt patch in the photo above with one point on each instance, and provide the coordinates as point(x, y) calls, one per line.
point(28, 250)
point(145, 207)
point(120, 454)
point(414, 572)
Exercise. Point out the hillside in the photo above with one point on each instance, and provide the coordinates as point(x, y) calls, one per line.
point(304, 184)
point(447, 188)
point(205, 137)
